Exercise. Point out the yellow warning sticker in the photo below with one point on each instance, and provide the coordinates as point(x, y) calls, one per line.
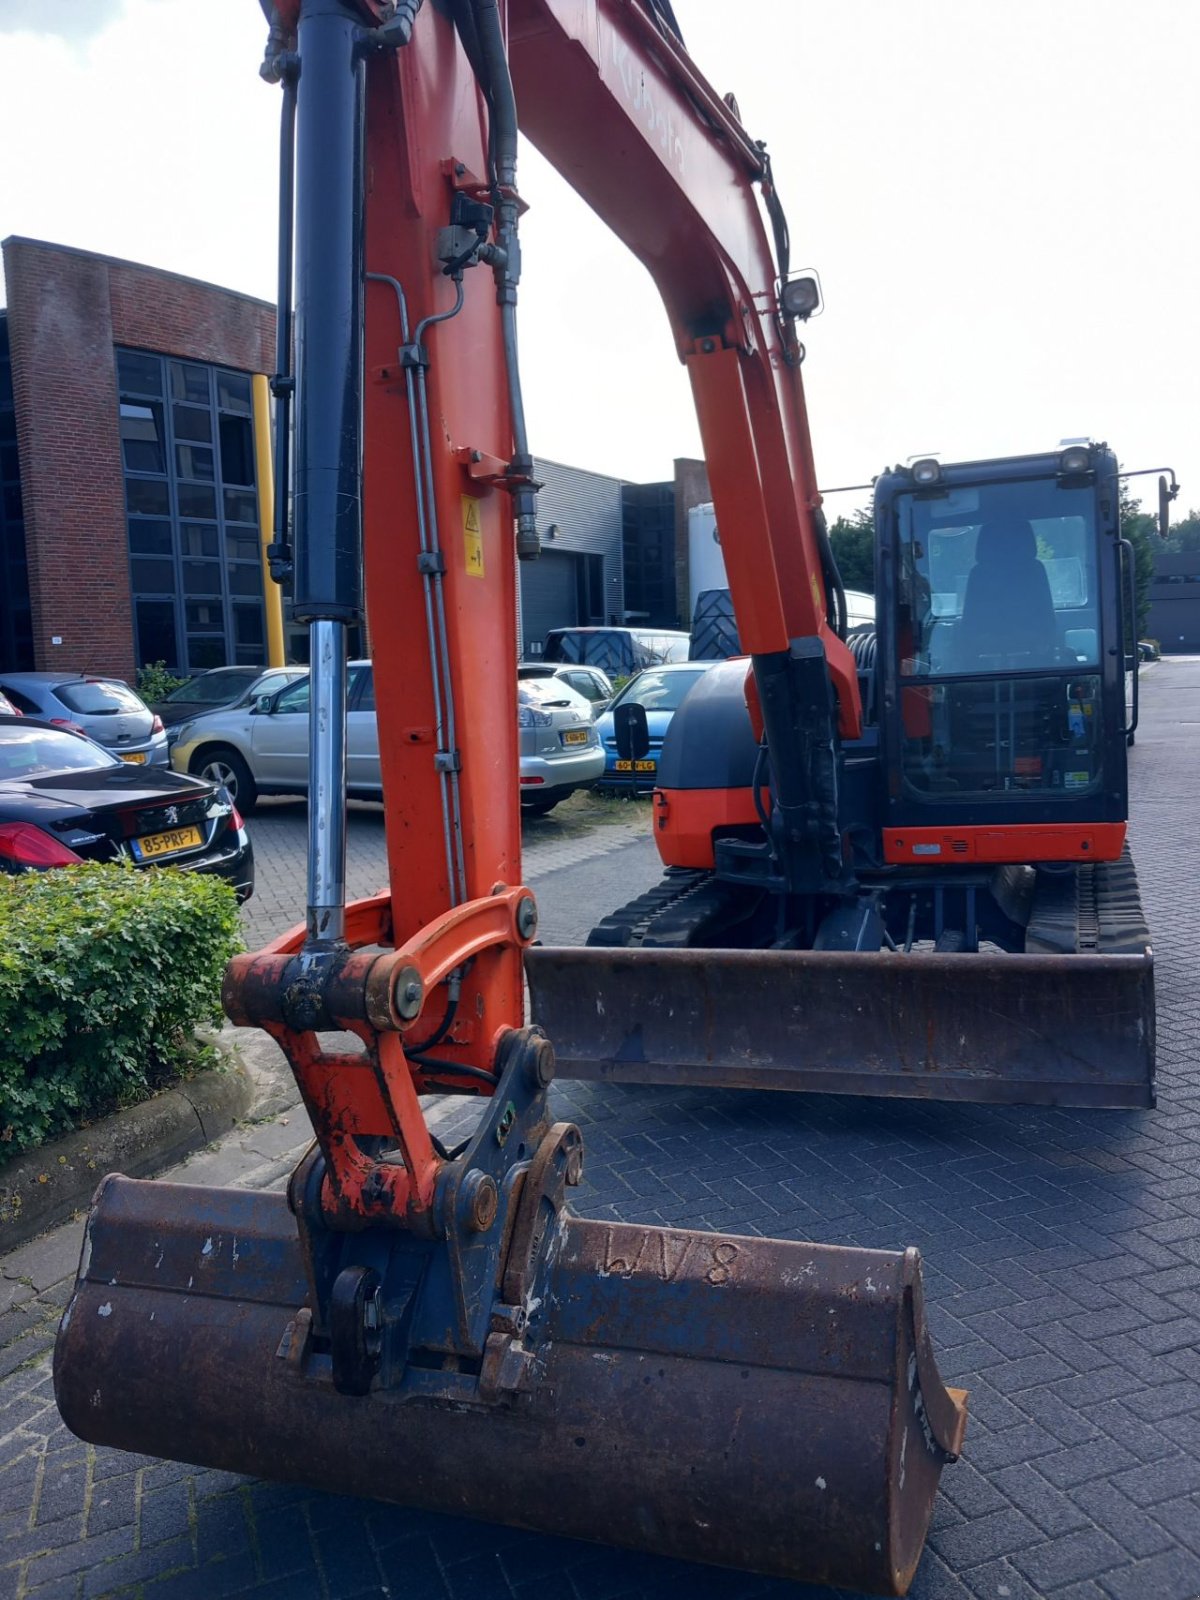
point(472, 537)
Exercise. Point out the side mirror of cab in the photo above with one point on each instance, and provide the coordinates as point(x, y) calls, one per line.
point(632, 731)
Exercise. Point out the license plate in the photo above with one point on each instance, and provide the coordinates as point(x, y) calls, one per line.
point(637, 766)
point(155, 845)
point(137, 757)
point(575, 736)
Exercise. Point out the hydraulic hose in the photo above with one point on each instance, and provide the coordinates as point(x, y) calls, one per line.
point(498, 88)
point(283, 383)
point(836, 607)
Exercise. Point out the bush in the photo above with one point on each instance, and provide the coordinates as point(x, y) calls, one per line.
point(105, 974)
point(154, 682)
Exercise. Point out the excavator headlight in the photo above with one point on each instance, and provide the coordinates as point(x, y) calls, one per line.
point(927, 470)
point(801, 297)
point(1077, 458)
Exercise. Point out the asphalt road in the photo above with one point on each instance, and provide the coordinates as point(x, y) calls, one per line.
point(1062, 1253)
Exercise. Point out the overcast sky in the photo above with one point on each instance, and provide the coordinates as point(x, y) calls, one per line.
point(1001, 201)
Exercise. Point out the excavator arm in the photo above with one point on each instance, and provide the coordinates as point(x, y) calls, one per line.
point(428, 1325)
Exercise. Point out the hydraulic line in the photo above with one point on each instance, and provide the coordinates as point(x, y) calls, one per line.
point(448, 754)
point(429, 575)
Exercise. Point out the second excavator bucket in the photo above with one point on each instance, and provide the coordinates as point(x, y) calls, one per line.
point(748, 1402)
point(1068, 1030)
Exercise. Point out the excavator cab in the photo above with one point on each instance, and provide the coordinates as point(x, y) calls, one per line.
point(1003, 628)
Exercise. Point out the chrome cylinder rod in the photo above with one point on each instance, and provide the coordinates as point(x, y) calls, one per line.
point(327, 782)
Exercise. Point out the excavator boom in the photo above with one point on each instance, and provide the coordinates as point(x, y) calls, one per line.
point(429, 1325)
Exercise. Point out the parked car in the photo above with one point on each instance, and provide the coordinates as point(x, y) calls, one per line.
point(560, 748)
point(590, 682)
point(661, 691)
point(616, 651)
point(1148, 650)
point(65, 799)
point(221, 689)
point(262, 748)
point(106, 709)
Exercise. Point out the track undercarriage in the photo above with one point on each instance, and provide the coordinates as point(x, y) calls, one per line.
point(1011, 986)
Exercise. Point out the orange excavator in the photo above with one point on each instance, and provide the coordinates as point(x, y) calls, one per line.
point(434, 1326)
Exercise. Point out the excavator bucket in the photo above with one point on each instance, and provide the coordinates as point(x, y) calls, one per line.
point(1009, 1029)
point(752, 1403)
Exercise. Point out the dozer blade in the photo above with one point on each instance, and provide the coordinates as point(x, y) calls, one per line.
point(1068, 1030)
point(757, 1404)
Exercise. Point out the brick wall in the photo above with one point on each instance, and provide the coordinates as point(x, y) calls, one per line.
point(67, 309)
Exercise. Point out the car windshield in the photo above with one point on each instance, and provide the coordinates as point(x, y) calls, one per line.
point(656, 690)
point(542, 692)
point(212, 688)
point(552, 694)
point(93, 698)
point(28, 752)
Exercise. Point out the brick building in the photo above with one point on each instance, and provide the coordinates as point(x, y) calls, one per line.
point(136, 510)
point(131, 401)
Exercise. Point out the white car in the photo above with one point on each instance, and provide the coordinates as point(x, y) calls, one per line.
point(594, 685)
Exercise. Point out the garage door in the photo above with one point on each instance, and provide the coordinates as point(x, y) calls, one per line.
point(549, 597)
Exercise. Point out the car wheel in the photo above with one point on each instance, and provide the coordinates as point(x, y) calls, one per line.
point(540, 806)
point(223, 766)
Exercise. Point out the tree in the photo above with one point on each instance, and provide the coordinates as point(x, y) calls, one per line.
point(853, 541)
point(1141, 529)
point(1184, 534)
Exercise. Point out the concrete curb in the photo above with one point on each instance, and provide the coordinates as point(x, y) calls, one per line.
point(44, 1188)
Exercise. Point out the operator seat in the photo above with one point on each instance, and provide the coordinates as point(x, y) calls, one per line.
point(1008, 617)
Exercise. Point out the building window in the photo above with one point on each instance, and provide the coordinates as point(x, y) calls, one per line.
point(187, 443)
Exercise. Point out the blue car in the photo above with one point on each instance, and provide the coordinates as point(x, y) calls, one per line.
point(661, 691)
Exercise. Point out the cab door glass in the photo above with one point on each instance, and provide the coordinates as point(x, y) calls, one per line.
point(997, 641)
point(997, 578)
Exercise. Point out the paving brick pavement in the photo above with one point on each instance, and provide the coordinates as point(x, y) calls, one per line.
point(579, 829)
point(1062, 1253)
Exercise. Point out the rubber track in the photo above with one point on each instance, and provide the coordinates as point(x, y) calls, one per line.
point(628, 924)
point(1095, 909)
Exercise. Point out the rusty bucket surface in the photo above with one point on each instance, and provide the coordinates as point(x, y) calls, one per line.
point(1068, 1030)
point(753, 1403)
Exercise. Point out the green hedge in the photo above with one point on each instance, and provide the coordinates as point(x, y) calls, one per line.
point(105, 974)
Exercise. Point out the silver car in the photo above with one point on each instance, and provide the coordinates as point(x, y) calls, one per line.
point(106, 709)
point(560, 749)
point(221, 689)
point(262, 749)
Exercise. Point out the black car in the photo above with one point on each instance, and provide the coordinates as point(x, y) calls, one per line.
point(64, 799)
